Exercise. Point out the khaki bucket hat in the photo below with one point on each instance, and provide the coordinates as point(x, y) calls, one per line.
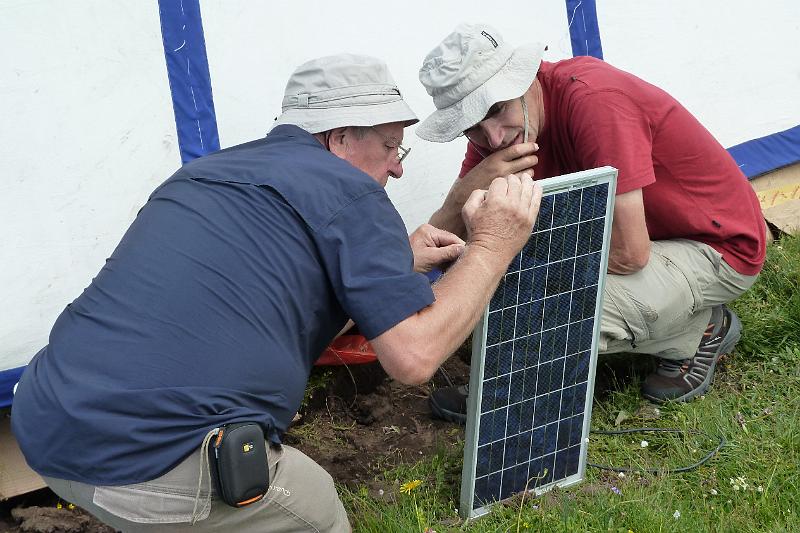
point(343, 90)
point(467, 73)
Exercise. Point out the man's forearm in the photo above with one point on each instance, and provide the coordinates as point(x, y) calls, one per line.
point(435, 332)
point(448, 217)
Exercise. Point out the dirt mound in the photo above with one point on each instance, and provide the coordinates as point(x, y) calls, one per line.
point(54, 520)
point(364, 423)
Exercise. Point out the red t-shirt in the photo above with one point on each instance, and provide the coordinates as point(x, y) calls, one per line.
point(597, 115)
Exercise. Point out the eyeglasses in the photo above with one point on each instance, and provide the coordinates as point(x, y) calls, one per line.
point(402, 152)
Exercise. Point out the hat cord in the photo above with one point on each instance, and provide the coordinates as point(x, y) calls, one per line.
point(525, 118)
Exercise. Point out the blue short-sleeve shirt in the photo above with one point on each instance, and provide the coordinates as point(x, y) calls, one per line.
point(233, 278)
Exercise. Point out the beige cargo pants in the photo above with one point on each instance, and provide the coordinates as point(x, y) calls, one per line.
point(664, 308)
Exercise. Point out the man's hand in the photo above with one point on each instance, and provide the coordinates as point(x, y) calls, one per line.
point(515, 159)
point(501, 219)
point(512, 160)
point(433, 247)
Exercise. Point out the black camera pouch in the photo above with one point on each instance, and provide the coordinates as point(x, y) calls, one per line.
point(239, 468)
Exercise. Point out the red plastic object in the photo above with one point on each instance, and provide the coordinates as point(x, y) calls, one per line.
point(347, 350)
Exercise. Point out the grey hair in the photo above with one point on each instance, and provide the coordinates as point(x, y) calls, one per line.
point(360, 131)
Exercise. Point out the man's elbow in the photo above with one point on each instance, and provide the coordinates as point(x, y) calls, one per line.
point(411, 367)
point(416, 376)
point(629, 263)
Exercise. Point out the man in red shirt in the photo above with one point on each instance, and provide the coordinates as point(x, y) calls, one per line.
point(688, 234)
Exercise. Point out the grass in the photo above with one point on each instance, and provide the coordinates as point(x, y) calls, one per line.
point(752, 484)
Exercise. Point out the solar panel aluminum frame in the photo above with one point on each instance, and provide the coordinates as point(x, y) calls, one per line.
point(550, 186)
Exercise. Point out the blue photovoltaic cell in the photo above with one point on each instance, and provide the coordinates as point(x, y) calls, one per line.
point(539, 334)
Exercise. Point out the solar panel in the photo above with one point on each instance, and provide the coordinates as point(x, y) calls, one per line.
point(535, 350)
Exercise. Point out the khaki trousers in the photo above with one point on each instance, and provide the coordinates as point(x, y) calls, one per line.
point(664, 308)
point(301, 498)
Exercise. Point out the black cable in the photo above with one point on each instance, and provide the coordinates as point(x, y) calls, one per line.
point(446, 377)
point(708, 456)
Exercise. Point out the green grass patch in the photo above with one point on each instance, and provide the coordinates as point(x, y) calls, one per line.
point(752, 484)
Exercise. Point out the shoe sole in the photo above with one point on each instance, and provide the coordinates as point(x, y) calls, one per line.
point(725, 347)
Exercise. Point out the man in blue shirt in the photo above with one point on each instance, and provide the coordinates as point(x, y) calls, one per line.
point(235, 275)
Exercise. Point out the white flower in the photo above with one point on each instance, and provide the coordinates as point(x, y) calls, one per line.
point(676, 514)
point(760, 488)
point(740, 483)
point(644, 444)
point(714, 492)
point(621, 475)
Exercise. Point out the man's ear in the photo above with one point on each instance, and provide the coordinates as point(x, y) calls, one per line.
point(337, 142)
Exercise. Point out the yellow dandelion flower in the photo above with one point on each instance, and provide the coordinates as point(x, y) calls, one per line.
point(410, 485)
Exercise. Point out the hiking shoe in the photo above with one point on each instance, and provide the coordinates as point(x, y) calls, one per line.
point(450, 403)
point(683, 379)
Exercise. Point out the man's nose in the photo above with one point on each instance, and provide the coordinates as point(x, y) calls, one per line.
point(396, 170)
point(493, 133)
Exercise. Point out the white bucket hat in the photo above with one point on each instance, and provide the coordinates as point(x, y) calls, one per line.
point(471, 70)
point(343, 90)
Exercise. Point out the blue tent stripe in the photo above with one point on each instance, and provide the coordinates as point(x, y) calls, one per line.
point(767, 153)
point(189, 77)
point(8, 378)
point(584, 31)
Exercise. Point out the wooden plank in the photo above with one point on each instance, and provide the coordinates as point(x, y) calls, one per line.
point(779, 195)
point(15, 476)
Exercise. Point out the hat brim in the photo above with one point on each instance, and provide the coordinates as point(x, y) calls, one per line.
point(511, 81)
point(315, 120)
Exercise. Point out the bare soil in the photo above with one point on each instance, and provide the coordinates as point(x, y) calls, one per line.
point(364, 423)
point(43, 512)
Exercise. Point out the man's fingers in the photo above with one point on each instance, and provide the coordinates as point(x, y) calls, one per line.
point(526, 194)
point(514, 186)
point(450, 253)
point(518, 165)
point(498, 187)
point(516, 151)
point(536, 201)
point(473, 202)
point(444, 238)
point(525, 163)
